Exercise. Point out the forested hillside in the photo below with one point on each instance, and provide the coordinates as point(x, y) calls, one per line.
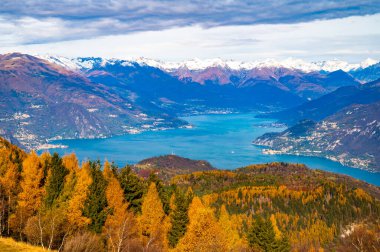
point(56, 203)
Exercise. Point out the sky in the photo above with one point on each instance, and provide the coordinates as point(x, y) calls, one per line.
point(183, 29)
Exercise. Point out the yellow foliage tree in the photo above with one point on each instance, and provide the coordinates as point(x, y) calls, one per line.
point(153, 222)
point(203, 232)
point(233, 240)
point(120, 225)
point(79, 196)
point(315, 236)
point(32, 191)
point(9, 187)
point(275, 227)
point(70, 162)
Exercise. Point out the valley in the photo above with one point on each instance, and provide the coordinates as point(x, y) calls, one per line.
point(48, 100)
point(224, 140)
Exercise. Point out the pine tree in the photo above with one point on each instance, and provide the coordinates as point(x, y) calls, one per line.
point(55, 181)
point(133, 188)
point(262, 236)
point(179, 218)
point(96, 203)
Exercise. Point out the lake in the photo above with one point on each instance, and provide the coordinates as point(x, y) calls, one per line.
point(223, 140)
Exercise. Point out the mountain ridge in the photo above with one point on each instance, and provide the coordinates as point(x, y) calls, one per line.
point(328, 104)
point(350, 136)
point(198, 64)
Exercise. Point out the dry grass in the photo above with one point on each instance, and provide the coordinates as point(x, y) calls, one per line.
point(10, 245)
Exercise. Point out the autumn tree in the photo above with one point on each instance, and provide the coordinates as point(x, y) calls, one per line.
point(164, 192)
point(233, 240)
point(203, 232)
point(9, 187)
point(120, 226)
point(363, 237)
point(32, 191)
point(153, 222)
point(47, 228)
point(70, 162)
point(79, 196)
point(84, 242)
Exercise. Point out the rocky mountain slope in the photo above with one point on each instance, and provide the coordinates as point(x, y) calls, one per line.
point(307, 80)
point(370, 73)
point(306, 85)
point(47, 98)
point(351, 136)
point(41, 100)
point(329, 104)
point(152, 85)
point(202, 64)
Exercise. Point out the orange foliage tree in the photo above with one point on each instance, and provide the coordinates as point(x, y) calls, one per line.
point(79, 196)
point(154, 224)
point(32, 192)
point(120, 226)
point(203, 233)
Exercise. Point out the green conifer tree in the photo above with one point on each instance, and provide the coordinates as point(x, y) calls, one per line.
point(179, 218)
point(96, 204)
point(133, 188)
point(261, 236)
point(55, 181)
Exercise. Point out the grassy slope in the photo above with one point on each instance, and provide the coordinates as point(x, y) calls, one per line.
point(10, 245)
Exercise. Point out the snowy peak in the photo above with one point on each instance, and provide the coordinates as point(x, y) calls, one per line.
point(84, 63)
point(290, 63)
point(198, 64)
point(368, 62)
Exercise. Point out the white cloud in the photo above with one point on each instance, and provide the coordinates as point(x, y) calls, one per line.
point(352, 39)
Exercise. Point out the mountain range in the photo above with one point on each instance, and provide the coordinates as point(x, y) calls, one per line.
point(46, 97)
point(351, 136)
point(329, 104)
point(343, 126)
point(198, 64)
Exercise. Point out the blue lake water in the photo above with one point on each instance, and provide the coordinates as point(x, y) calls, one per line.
point(223, 140)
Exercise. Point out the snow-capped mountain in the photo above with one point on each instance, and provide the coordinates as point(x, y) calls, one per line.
point(82, 63)
point(198, 64)
point(290, 63)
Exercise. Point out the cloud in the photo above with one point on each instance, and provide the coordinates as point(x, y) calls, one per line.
point(352, 38)
point(39, 21)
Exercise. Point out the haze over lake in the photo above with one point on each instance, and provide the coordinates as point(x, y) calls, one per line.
point(223, 140)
